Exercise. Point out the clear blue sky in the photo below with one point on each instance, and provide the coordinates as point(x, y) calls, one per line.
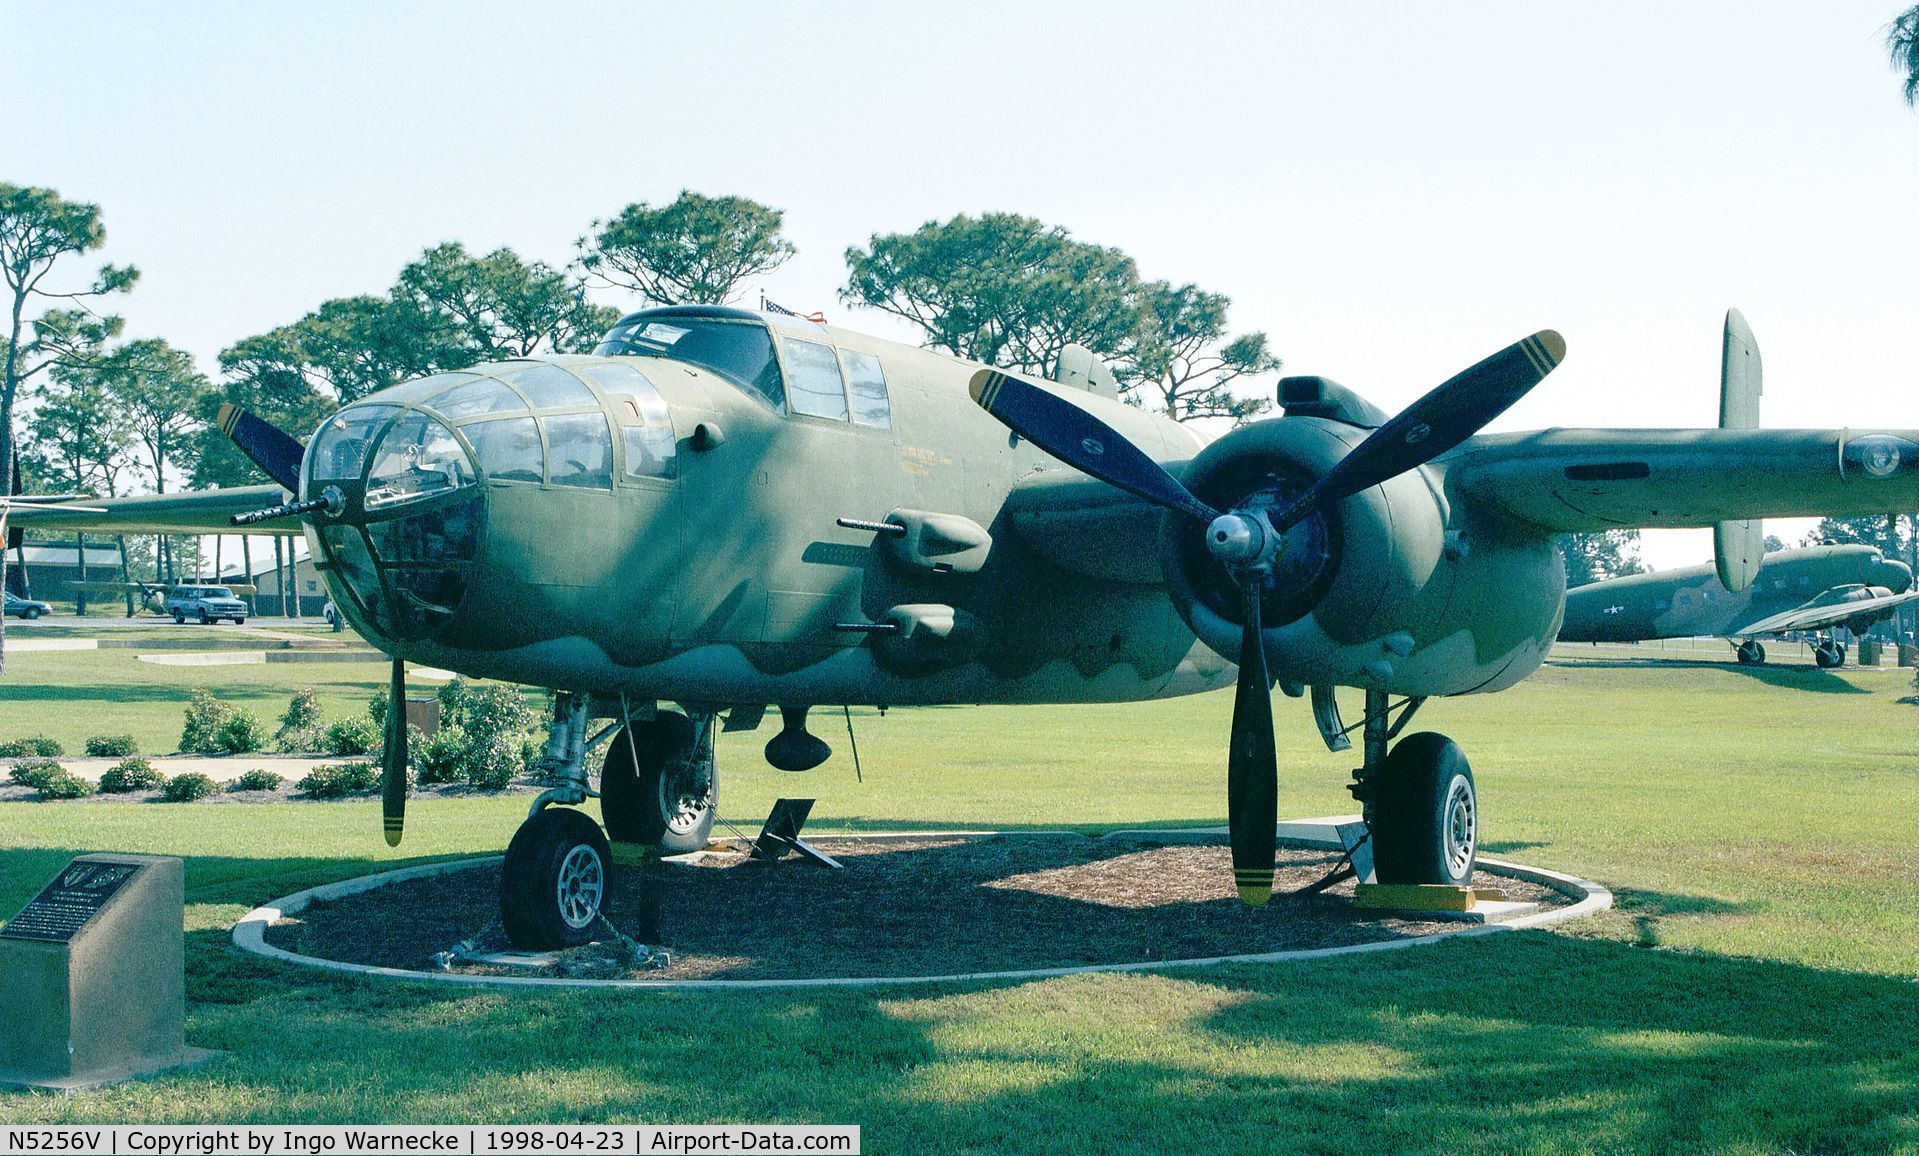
point(1389, 190)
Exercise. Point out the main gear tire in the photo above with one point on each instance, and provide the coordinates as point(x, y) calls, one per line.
point(659, 786)
point(1425, 814)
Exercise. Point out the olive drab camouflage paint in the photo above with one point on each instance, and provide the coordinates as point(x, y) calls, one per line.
point(730, 507)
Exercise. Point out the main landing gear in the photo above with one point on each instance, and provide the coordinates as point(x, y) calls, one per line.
point(1750, 653)
point(1417, 795)
point(659, 788)
point(1828, 653)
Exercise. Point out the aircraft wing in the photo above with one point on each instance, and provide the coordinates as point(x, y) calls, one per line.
point(1582, 480)
point(190, 512)
point(1820, 617)
point(1087, 527)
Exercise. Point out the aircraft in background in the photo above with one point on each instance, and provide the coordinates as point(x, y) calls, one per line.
point(1809, 590)
point(728, 510)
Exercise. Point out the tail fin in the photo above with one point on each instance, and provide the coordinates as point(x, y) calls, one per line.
point(1737, 547)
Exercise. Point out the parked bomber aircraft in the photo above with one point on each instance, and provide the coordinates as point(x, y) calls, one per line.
point(725, 510)
point(1812, 590)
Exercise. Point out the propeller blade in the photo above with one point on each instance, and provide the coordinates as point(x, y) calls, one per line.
point(270, 448)
point(1435, 423)
point(1081, 440)
point(1252, 766)
point(393, 758)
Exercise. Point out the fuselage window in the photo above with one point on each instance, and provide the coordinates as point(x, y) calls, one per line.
point(813, 379)
point(646, 427)
point(866, 383)
point(508, 449)
point(579, 451)
point(737, 350)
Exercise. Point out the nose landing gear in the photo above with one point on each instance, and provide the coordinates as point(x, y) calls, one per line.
point(659, 788)
point(1419, 800)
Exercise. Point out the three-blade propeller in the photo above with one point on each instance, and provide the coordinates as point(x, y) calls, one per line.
point(279, 455)
point(1247, 541)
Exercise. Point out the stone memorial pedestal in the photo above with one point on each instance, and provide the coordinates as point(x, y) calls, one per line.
point(95, 976)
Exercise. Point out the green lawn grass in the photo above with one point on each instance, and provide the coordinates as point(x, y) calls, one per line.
point(1754, 991)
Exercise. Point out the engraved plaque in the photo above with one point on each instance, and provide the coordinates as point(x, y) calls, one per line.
point(65, 905)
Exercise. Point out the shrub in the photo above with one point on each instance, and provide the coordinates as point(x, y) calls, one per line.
point(35, 772)
point(241, 732)
point(32, 747)
point(493, 761)
point(453, 698)
point(64, 784)
point(337, 780)
point(300, 727)
point(351, 736)
point(376, 709)
point(205, 716)
point(441, 759)
point(134, 774)
point(259, 779)
point(186, 788)
point(112, 746)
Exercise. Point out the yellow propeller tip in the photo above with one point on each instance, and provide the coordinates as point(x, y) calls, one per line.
point(1552, 343)
point(1254, 896)
point(977, 384)
point(393, 833)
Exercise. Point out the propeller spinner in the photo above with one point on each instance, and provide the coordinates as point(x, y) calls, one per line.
point(1247, 540)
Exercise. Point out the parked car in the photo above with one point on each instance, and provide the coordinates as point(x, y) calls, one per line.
point(26, 607)
point(206, 603)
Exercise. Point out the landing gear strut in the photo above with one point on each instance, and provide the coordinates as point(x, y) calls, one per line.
point(1826, 653)
point(1750, 653)
point(1418, 798)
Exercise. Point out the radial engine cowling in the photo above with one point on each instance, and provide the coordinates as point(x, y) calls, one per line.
point(1347, 584)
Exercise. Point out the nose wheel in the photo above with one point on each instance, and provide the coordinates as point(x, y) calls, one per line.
point(554, 880)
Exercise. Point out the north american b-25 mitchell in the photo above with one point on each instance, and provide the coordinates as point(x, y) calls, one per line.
point(1809, 590)
point(726, 510)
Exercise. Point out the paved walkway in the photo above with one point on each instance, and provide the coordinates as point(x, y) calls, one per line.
point(219, 768)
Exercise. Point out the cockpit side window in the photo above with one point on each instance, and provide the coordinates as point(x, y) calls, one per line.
point(866, 382)
point(813, 379)
point(738, 350)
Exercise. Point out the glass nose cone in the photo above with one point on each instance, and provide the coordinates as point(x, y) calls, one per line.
point(405, 542)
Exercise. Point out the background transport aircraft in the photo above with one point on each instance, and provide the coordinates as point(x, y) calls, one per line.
point(1807, 590)
point(727, 510)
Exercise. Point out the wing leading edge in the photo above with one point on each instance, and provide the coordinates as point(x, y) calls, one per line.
point(189, 512)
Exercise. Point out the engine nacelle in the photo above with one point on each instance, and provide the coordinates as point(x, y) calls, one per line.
point(1363, 595)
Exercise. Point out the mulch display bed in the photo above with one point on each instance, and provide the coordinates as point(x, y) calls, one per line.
point(926, 906)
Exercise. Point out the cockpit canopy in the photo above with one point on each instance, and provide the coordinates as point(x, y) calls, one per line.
point(782, 361)
point(730, 342)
